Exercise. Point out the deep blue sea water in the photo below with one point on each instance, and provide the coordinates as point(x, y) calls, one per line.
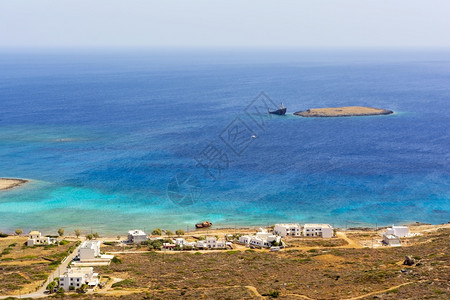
point(104, 136)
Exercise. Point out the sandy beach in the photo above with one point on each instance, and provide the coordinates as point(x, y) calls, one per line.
point(9, 183)
point(345, 111)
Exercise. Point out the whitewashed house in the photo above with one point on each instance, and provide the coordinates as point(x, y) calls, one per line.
point(213, 243)
point(179, 242)
point(391, 240)
point(245, 239)
point(137, 236)
point(261, 239)
point(260, 242)
point(89, 254)
point(321, 230)
point(201, 244)
point(183, 243)
point(400, 231)
point(284, 230)
point(78, 276)
point(36, 238)
point(89, 250)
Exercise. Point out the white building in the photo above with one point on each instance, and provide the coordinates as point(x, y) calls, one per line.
point(391, 240)
point(78, 276)
point(261, 239)
point(287, 230)
point(183, 243)
point(89, 254)
point(202, 244)
point(245, 239)
point(322, 230)
point(137, 236)
point(400, 231)
point(256, 241)
point(89, 250)
point(36, 238)
point(213, 243)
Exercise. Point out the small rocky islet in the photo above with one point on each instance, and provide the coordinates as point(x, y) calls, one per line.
point(345, 111)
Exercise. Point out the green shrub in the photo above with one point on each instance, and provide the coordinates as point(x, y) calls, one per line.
point(157, 231)
point(125, 283)
point(63, 242)
point(116, 260)
point(110, 243)
point(155, 244)
point(273, 294)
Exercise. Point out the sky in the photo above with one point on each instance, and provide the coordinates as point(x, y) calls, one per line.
point(224, 24)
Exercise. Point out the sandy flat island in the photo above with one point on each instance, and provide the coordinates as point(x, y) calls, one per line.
point(9, 183)
point(345, 111)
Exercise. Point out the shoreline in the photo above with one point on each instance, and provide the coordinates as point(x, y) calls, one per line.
point(217, 230)
point(10, 183)
point(344, 111)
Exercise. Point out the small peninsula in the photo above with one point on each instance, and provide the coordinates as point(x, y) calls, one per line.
point(9, 183)
point(345, 111)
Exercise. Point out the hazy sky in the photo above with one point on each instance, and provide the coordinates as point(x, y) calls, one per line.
point(211, 23)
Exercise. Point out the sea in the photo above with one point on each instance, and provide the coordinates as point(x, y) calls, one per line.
point(114, 140)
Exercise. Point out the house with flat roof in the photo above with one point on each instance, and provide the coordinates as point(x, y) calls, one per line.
point(89, 254)
point(319, 230)
point(201, 244)
point(89, 250)
point(78, 276)
point(181, 242)
point(400, 231)
point(245, 239)
point(137, 236)
point(391, 240)
point(213, 243)
point(261, 239)
point(284, 230)
point(36, 238)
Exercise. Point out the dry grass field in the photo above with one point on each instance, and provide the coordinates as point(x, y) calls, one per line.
point(23, 269)
point(319, 273)
point(315, 242)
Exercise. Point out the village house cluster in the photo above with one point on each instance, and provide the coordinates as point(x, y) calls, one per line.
point(211, 242)
point(79, 274)
point(262, 239)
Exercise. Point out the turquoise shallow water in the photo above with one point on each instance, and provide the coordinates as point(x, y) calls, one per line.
point(103, 137)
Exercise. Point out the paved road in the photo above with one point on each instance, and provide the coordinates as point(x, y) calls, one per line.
point(59, 271)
